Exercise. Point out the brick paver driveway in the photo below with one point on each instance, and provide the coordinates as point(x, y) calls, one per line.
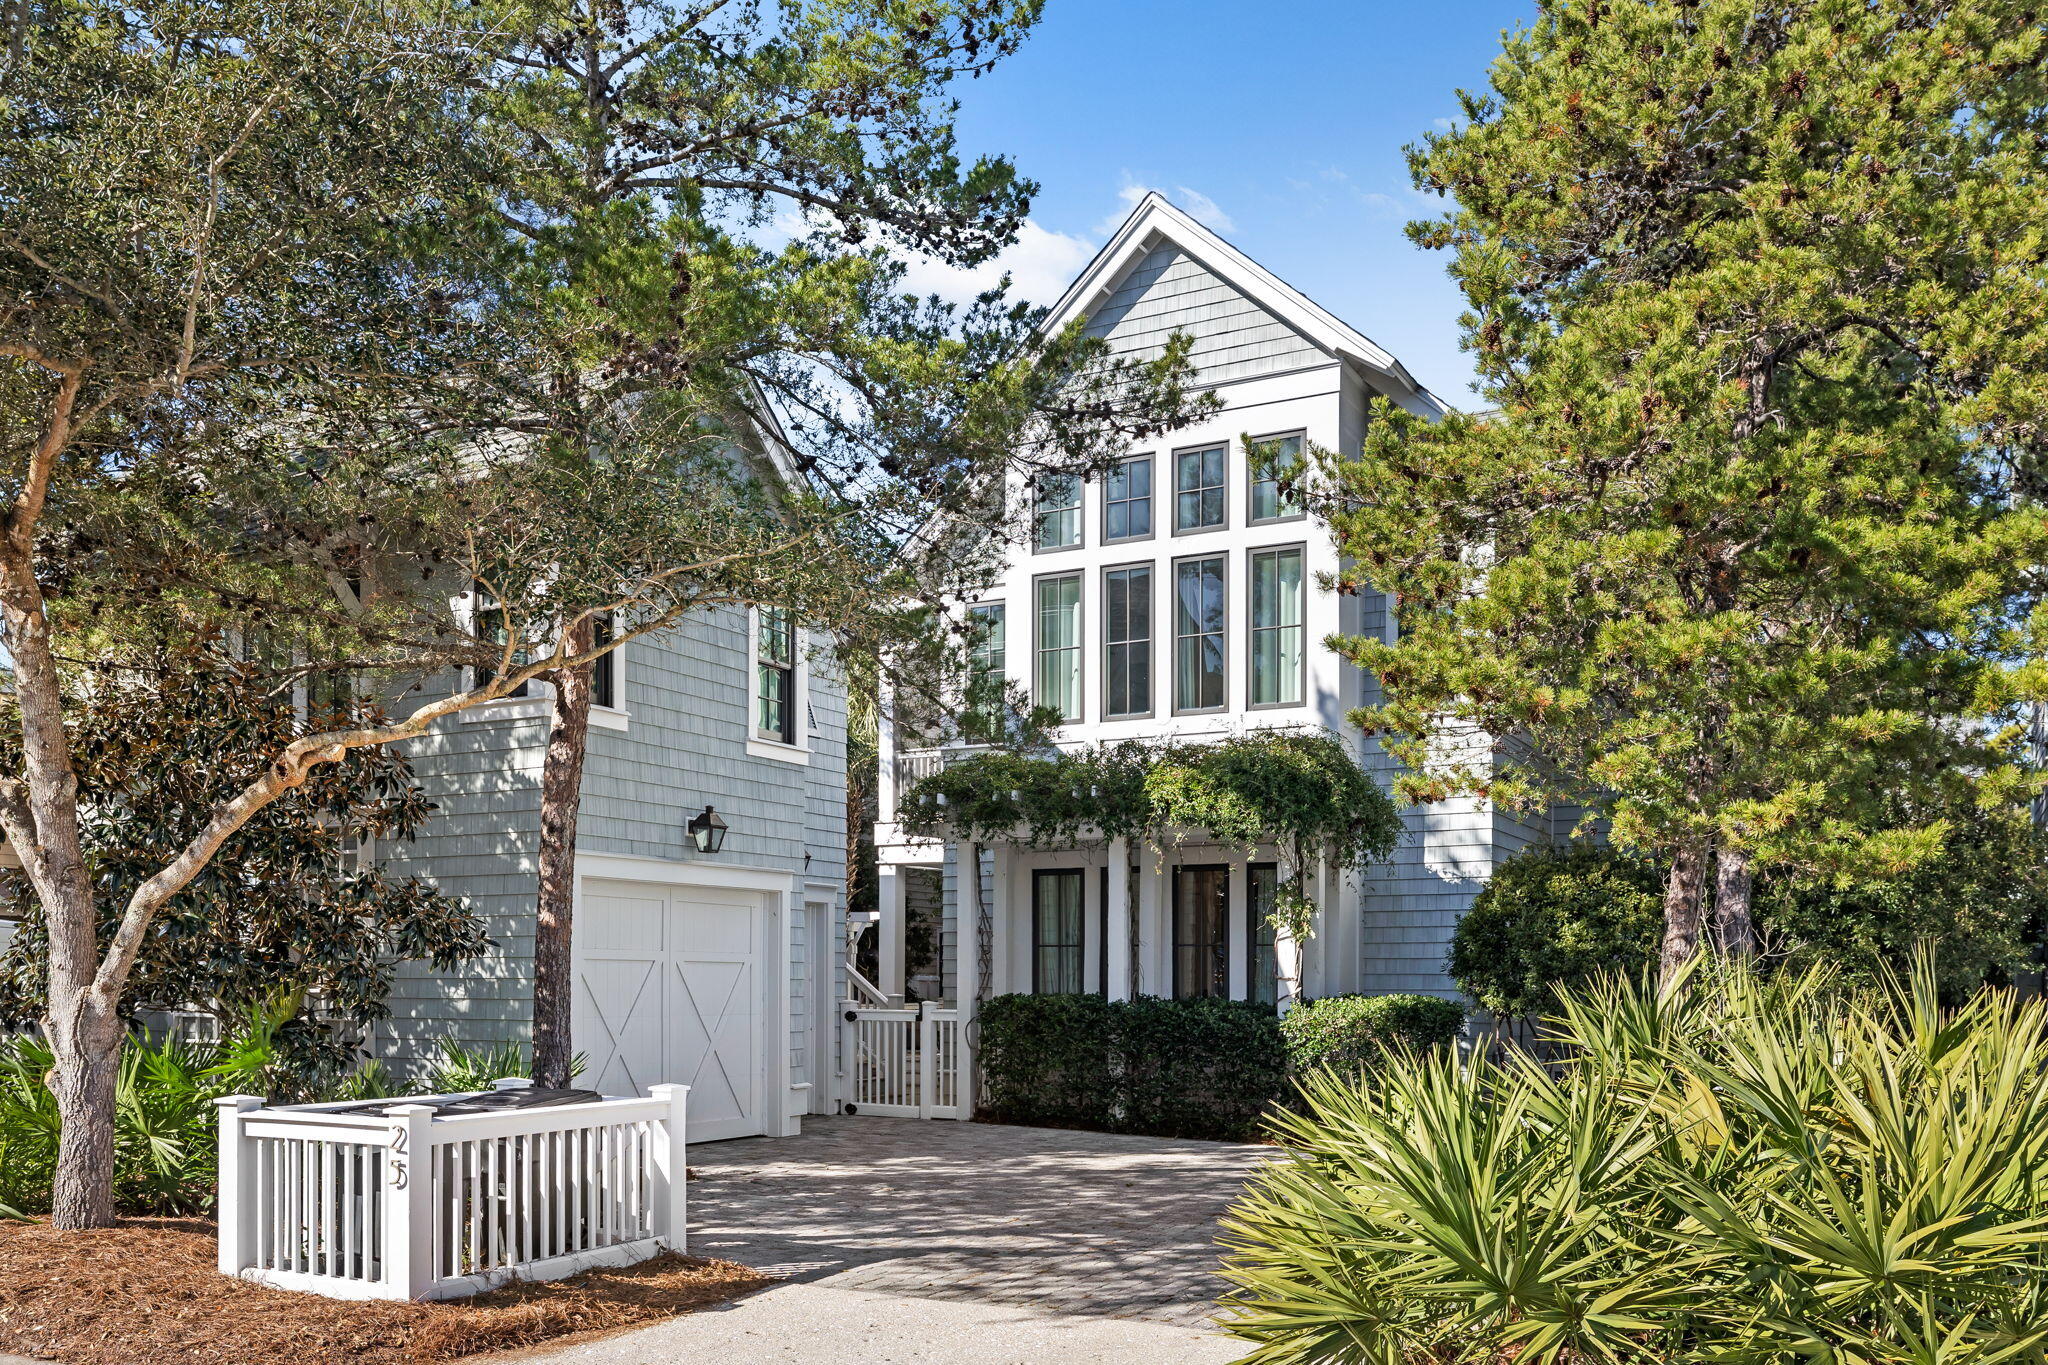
point(1034, 1218)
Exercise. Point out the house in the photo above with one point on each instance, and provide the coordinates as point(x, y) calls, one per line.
point(708, 967)
point(1180, 598)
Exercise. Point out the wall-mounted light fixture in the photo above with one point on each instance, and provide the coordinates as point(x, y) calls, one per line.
point(708, 830)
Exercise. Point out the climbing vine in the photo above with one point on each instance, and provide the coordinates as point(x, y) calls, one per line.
point(1295, 789)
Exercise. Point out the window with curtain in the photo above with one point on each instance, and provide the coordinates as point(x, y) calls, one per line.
point(775, 675)
point(1273, 459)
point(1056, 931)
point(1059, 512)
point(1262, 888)
point(1279, 634)
point(1198, 489)
point(1057, 679)
point(1199, 645)
point(1201, 916)
point(987, 662)
point(1127, 641)
point(1127, 500)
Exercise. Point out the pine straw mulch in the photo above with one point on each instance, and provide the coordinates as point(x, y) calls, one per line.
point(147, 1293)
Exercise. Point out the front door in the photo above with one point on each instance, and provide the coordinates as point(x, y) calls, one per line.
point(668, 990)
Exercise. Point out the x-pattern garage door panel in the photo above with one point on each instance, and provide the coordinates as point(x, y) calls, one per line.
point(668, 987)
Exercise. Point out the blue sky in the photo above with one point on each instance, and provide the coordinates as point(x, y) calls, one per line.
point(1281, 124)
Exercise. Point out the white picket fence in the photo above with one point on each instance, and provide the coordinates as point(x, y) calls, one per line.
point(403, 1204)
point(907, 1062)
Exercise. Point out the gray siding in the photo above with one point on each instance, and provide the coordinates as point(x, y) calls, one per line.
point(686, 696)
point(1234, 338)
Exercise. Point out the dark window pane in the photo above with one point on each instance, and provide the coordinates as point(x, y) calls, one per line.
point(1201, 914)
point(1263, 885)
point(1056, 932)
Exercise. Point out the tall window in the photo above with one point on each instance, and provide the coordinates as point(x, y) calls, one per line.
point(1198, 634)
point(489, 623)
point(1201, 914)
point(775, 675)
point(604, 670)
point(1059, 512)
point(1127, 500)
point(1278, 632)
point(1056, 931)
point(1127, 641)
point(1198, 489)
point(1057, 681)
point(987, 665)
point(1263, 891)
point(1272, 460)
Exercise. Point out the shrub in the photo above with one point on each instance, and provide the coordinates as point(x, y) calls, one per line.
point(1350, 1030)
point(1743, 1170)
point(1169, 1068)
point(1552, 919)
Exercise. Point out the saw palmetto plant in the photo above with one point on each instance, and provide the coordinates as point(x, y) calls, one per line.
point(1739, 1170)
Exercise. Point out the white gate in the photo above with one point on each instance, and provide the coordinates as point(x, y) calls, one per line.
point(909, 1062)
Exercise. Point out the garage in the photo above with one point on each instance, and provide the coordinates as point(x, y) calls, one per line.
point(669, 989)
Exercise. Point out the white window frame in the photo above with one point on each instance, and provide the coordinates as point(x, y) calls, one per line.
point(758, 745)
point(1252, 628)
point(538, 703)
point(1080, 646)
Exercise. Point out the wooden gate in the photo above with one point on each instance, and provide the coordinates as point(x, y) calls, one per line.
point(907, 1062)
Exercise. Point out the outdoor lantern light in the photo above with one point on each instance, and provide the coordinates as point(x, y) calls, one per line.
point(708, 830)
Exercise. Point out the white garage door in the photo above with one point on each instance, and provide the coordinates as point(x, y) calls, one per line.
point(668, 990)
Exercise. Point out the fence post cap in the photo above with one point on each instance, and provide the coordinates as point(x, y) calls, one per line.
point(239, 1103)
point(408, 1110)
point(666, 1092)
point(512, 1083)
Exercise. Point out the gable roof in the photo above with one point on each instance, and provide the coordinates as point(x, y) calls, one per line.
point(1155, 222)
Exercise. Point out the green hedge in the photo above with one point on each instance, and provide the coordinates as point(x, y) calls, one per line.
point(1351, 1030)
point(1168, 1068)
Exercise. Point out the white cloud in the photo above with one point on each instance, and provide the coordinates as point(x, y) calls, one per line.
point(1446, 124)
point(1193, 202)
point(1203, 209)
point(1040, 263)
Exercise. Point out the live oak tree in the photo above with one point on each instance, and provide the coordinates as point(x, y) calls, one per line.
point(1747, 547)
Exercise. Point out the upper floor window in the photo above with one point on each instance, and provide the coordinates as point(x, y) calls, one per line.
point(775, 675)
point(1058, 512)
point(1056, 931)
point(1057, 679)
point(1127, 641)
point(489, 622)
point(1198, 634)
point(987, 665)
point(1198, 489)
point(1274, 459)
point(1278, 653)
point(1127, 500)
point(604, 669)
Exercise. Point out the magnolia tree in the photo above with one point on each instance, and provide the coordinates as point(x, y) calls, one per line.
point(1745, 550)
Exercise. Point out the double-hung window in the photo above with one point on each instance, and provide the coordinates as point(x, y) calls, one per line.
point(1201, 943)
point(775, 675)
point(1278, 631)
point(488, 622)
point(1056, 682)
point(1263, 892)
point(1058, 525)
point(1274, 460)
point(1127, 500)
point(1056, 931)
point(1199, 644)
point(1198, 489)
point(987, 666)
point(1127, 641)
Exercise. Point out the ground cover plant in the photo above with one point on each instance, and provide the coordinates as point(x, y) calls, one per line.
point(147, 1290)
point(1742, 1170)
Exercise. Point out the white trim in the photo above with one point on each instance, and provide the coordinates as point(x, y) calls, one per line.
point(633, 867)
point(758, 746)
point(538, 708)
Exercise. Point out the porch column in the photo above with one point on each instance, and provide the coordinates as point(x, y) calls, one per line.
point(1005, 964)
point(1116, 945)
point(889, 886)
point(1154, 973)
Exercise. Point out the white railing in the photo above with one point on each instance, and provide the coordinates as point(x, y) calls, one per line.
point(404, 1204)
point(909, 1062)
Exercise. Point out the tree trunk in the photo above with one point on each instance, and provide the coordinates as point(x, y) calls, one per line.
point(1734, 931)
point(1684, 886)
point(87, 1044)
point(561, 793)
